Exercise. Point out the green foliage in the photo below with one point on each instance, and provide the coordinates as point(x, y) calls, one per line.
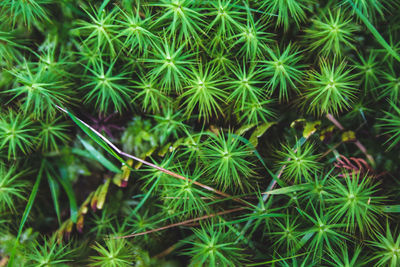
point(203, 93)
point(391, 124)
point(287, 233)
point(17, 134)
point(387, 248)
point(50, 253)
point(99, 31)
point(323, 234)
point(214, 246)
point(229, 162)
point(368, 69)
point(331, 90)
point(170, 123)
point(353, 202)
point(391, 86)
point(370, 8)
point(29, 14)
point(114, 253)
point(105, 89)
point(12, 188)
point(245, 86)
point(136, 32)
point(40, 90)
point(8, 47)
point(185, 197)
point(215, 133)
point(283, 71)
point(226, 21)
point(298, 163)
point(343, 259)
point(183, 19)
point(331, 33)
point(52, 132)
point(286, 10)
point(149, 95)
point(252, 40)
point(170, 65)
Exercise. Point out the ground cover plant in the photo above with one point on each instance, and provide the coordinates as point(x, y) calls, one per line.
point(199, 133)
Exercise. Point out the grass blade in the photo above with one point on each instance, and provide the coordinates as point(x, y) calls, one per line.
point(96, 155)
point(55, 192)
point(392, 209)
point(374, 32)
point(28, 208)
point(288, 189)
point(66, 184)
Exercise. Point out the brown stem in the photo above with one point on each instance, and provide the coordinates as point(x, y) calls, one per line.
point(166, 252)
point(182, 223)
point(178, 176)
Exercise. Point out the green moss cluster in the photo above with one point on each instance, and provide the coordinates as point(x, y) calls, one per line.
point(201, 133)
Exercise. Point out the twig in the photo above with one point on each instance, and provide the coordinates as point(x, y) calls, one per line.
point(178, 176)
point(182, 223)
point(166, 252)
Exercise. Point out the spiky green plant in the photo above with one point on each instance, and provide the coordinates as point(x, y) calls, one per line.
point(354, 203)
point(49, 253)
point(370, 8)
point(391, 86)
point(12, 187)
point(137, 137)
point(114, 253)
point(169, 123)
point(170, 65)
point(144, 222)
point(203, 94)
point(229, 162)
point(305, 261)
point(331, 33)
point(343, 258)
point(17, 134)
point(9, 47)
point(391, 125)
point(102, 223)
point(227, 21)
point(214, 246)
point(99, 31)
point(150, 95)
point(136, 31)
point(245, 86)
point(222, 60)
point(55, 58)
point(317, 189)
point(252, 39)
point(29, 14)
point(204, 90)
point(52, 133)
point(387, 248)
point(256, 112)
point(182, 19)
point(368, 70)
point(286, 11)
point(154, 178)
point(39, 89)
point(104, 88)
point(298, 163)
point(323, 234)
point(283, 71)
point(185, 197)
point(287, 234)
point(331, 90)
